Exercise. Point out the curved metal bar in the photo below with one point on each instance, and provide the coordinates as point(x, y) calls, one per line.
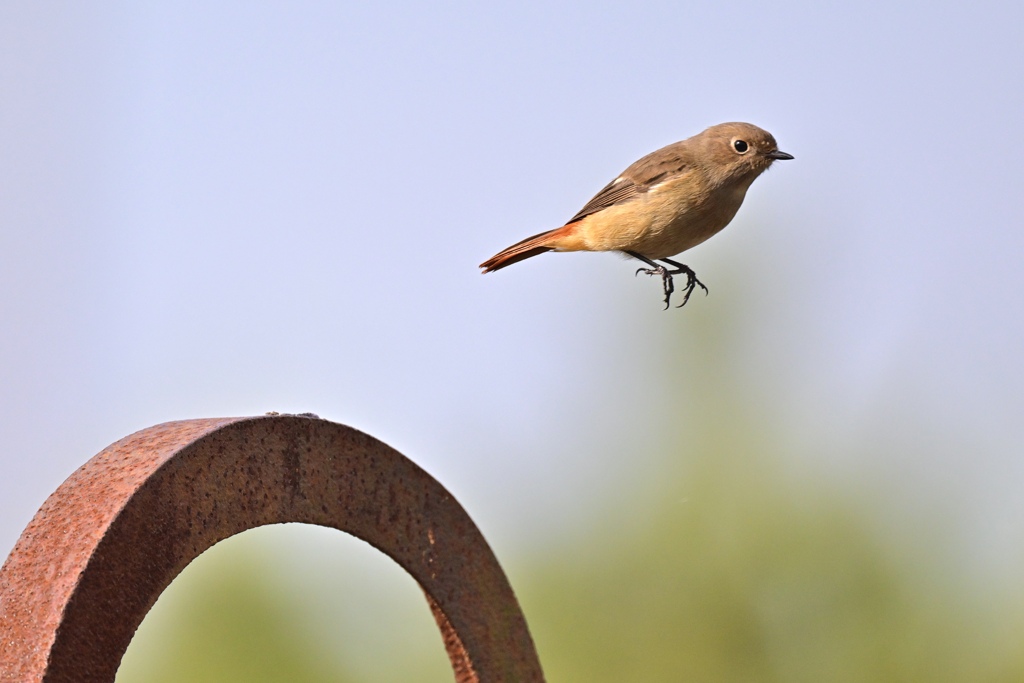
point(104, 546)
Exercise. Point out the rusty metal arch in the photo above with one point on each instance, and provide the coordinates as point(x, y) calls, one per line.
point(104, 546)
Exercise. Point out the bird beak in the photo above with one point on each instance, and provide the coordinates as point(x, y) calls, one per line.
point(776, 155)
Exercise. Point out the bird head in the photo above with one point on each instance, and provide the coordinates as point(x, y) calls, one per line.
point(739, 151)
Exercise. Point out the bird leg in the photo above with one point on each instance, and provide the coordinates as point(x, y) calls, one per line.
point(656, 269)
point(691, 279)
point(666, 276)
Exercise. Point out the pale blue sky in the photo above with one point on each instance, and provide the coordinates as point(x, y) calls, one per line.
point(223, 209)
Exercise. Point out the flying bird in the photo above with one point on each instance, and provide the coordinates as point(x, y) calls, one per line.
point(663, 204)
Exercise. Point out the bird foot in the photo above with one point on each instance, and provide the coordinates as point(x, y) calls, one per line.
point(666, 280)
point(668, 284)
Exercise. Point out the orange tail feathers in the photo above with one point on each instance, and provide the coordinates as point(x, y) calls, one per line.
point(531, 246)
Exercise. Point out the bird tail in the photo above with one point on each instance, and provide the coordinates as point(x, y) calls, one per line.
point(531, 246)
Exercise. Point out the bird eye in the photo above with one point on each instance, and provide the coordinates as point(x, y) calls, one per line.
point(740, 146)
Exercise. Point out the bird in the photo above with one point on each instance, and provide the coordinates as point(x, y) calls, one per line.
point(663, 204)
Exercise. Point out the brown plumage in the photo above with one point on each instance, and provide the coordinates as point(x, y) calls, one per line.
point(663, 204)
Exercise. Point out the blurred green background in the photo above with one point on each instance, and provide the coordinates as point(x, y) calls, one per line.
point(716, 560)
point(813, 473)
point(731, 573)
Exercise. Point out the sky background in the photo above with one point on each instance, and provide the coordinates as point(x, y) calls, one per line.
point(212, 209)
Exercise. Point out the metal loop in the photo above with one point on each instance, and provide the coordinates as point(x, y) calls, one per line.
point(104, 546)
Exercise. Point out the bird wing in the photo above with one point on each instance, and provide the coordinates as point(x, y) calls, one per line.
point(636, 180)
point(616, 192)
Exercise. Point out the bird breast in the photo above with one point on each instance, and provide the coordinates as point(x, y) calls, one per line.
point(668, 219)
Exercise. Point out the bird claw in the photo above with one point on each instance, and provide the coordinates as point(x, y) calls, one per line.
point(691, 283)
point(666, 277)
point(666, 280)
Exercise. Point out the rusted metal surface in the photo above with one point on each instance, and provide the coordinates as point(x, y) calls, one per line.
point(104, 546)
